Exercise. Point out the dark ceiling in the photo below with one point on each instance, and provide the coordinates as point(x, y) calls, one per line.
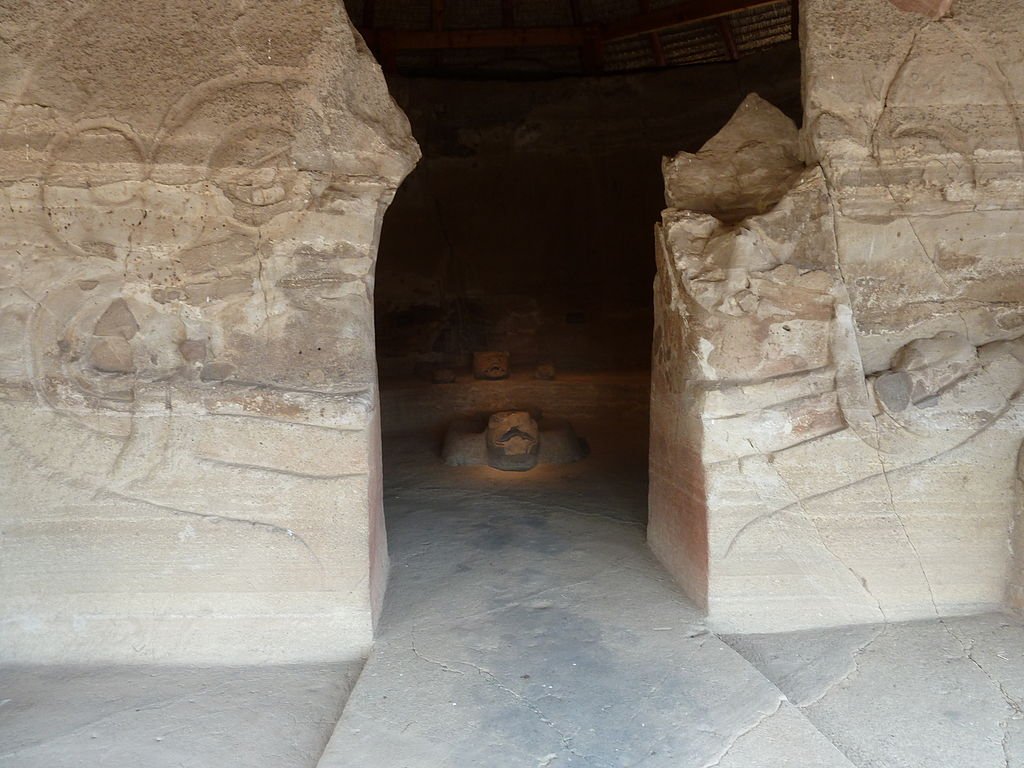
point(488, 38)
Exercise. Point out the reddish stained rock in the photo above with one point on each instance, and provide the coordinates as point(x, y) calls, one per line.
point(935, 9)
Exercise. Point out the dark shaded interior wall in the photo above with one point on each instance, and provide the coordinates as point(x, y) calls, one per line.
point(528, 225)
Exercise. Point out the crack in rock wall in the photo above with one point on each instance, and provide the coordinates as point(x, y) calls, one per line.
point(192, 198)
point(839, 344)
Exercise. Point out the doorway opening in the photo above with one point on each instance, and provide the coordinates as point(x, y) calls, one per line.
point(527, 230)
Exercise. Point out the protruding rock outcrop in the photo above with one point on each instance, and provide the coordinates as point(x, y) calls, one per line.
point(837, 364)
point(192, 194)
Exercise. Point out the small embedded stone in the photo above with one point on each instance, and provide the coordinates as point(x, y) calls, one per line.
point(443, 376)
point(192, 351)
point(893, 391)
point(216, 371)
point(167, 295)
point(117, 320)
point(112, 355)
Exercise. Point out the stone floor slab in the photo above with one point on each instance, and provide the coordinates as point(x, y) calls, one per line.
point(945, 692)
point(528, 624)
point(168, 717)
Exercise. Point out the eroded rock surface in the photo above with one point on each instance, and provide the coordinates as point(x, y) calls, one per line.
point(745, 169)
point(166, 716)
point(935, 9)
point(191, 198)
point(837, 380)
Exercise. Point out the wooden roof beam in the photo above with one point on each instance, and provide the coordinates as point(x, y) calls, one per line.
point(437, 24)
point(453, 39)
point(508, 19)
point(654, 38)
point(591, 37)
point(725, 30)
point(676, 16)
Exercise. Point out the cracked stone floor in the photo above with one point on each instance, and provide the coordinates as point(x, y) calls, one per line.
point(944, 692)
point(169, 717)
point(527, 624)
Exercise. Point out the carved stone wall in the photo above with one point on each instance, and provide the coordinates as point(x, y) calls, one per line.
point(839, 352)
point(192, 196)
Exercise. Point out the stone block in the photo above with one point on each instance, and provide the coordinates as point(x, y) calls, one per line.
point(187, 378)
point(491, 365)
point(837, 373)
point(513, 441)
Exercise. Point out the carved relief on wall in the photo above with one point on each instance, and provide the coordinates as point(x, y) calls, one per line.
point(189, 211)
point(192, 270)
point(167, 232)
point(837, 359)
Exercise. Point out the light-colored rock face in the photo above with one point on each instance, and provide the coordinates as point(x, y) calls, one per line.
point(743, 170)
point(192, 195)
point(935, 9)
point(836, 413)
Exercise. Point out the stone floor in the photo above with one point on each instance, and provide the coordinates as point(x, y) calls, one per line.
point(169, 717)
point(946, 692)
point(528, 625)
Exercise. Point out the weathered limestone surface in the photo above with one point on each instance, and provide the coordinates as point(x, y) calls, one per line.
point(191, 200)
point(933, 8)
point(836, 396)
